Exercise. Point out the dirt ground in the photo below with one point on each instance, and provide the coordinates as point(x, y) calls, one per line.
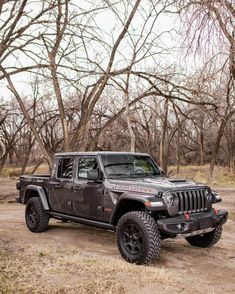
point(73, 258)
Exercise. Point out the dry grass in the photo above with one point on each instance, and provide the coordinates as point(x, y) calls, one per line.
point(54, 270)
point(231, 215)
point(222, 176)
point(15, 171)
point(71, 258)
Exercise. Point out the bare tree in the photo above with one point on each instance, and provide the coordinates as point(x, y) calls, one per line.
point(52, 50)
point(211, 30)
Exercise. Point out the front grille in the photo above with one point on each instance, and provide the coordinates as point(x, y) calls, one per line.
point(192, 201)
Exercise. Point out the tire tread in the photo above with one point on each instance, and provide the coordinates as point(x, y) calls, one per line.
point(149, 226)
point(43, 216)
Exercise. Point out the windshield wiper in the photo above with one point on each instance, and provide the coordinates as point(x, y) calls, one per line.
point(132, 175)
point(143, 175)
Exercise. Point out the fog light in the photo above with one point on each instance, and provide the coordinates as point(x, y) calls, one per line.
point(179, 226)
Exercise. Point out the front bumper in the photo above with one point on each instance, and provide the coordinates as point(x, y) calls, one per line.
point(194, 222)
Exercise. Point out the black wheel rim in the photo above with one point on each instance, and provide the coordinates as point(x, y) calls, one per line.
point(32, 216)
point(132, 238)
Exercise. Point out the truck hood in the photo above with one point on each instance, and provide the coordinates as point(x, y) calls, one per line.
point(151, 185)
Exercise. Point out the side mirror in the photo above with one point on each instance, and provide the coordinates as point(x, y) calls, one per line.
point(161, 172)
point(93, 175)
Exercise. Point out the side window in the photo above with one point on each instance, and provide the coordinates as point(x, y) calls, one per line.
point(65, 168)
point(84, 165)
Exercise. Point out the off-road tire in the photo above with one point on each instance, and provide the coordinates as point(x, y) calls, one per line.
point(35, 216)
point(149, 239)
point(207, 240)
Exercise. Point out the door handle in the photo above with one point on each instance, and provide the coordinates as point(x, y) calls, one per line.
point(77, 188)
point(57, 186)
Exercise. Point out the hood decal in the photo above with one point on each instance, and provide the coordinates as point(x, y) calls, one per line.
point(150, 185)
point(134, 188)
point(169, 183)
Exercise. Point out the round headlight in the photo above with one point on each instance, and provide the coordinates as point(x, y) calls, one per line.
point(216, 197)
point(168, 198)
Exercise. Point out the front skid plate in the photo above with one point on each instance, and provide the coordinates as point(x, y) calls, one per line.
point(194, 233)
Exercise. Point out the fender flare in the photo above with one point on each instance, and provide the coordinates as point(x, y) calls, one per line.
point(127, 196)
point(41, 193)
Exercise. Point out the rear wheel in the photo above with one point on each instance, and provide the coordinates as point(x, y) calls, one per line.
point(206, 240)
point(138, 238)
point(36, 217)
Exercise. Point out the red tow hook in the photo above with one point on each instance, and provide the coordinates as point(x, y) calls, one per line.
point(186, 215)
point(215, 211)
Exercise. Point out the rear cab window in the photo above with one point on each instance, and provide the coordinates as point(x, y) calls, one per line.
point(65, 168)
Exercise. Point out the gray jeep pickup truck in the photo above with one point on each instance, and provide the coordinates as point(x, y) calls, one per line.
point(124, 192)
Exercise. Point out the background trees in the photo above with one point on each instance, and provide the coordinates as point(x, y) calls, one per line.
point(150, 76)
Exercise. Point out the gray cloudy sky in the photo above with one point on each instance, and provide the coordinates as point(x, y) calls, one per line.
point(109, 26)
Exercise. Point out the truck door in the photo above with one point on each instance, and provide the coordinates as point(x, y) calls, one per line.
point(88, 195)
point(61, 186)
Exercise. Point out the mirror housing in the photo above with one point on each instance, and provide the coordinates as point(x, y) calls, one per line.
point(161, 172)
point(93, 175)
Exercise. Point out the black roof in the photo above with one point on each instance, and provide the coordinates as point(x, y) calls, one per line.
point(94, 153)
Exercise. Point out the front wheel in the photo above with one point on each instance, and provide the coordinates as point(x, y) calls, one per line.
point(36, 217)
point(138, 238)
point(206, 240)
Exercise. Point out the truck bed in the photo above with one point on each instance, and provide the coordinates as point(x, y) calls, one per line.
point(39, 180)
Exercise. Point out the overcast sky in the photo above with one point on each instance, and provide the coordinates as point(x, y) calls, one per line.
point(110, 26)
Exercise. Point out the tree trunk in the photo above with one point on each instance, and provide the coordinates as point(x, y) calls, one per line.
point(178, 151)
point(218, 139)
point(27, 117)
point(60, 103)
point(202, 152)
point(26, 158)
point(94, 95)
point(129, 126)
point(37, 166)
point(11, 155)
point(3, 160)
point(232, 164)
point(163, 147)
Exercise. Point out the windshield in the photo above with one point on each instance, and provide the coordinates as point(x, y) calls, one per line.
point(128, 165)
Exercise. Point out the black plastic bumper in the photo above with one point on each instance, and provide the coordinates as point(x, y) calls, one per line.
point(193, 222)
